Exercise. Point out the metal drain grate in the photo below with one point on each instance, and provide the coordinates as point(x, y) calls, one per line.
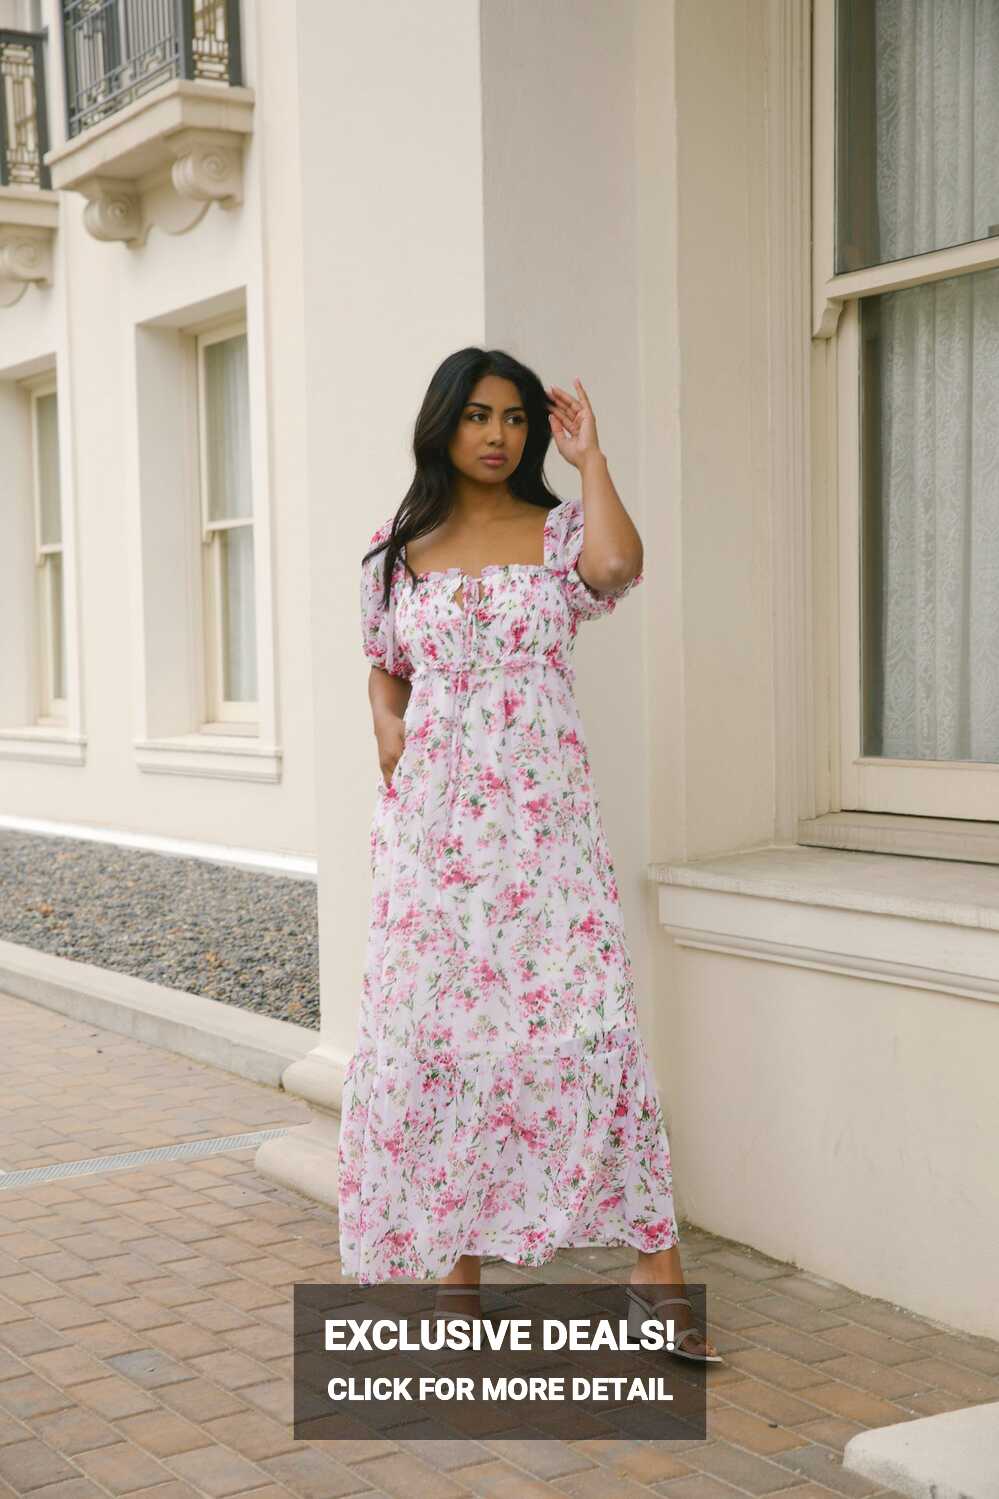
point(190, 1148)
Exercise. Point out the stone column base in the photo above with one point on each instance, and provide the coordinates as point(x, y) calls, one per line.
point(305, 1159)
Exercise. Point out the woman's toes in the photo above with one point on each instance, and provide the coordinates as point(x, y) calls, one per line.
point(697, 1345)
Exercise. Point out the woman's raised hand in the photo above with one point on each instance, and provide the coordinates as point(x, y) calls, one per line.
point(572, 423)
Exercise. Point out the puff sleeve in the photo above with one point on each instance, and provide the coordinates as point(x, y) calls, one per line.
point(378, 634)
point(584, 601)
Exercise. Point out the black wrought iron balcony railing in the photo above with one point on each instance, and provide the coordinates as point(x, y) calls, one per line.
point(117, 50)
point(23, 129)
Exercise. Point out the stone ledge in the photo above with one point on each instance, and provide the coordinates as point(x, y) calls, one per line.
point(232, 757)
point(961, 894)
point(53, 746)
point(920, 923)
point(254, 860)
point(160, 160)
point(951, 1456)
point(253, 1046)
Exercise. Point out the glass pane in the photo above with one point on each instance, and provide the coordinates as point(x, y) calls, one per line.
point(227, 429)
point(57, 624)
point(47, 411)
point(19, 150)
point(930, 520)
point(917, 127)
point(239, 641)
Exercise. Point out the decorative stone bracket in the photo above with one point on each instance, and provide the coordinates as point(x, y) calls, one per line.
point(29, 217)
point(161, 160)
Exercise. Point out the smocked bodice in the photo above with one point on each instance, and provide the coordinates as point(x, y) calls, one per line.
point(511, 615)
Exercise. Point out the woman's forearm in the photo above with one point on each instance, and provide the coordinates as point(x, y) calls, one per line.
point(388, 695)
point(612, 551)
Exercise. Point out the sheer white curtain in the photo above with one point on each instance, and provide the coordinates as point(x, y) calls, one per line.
point(239, 645)
point(227, 411)
point(937, 98)
point(50, 576)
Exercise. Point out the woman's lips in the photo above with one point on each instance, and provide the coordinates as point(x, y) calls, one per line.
point(494, 461)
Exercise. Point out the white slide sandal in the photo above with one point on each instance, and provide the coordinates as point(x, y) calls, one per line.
point(640, 1311)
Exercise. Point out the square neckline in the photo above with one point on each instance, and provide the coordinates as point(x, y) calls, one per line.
point(496, 567)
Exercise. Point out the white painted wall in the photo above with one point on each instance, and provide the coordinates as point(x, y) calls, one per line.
point(845, 1125)
point(89, 323)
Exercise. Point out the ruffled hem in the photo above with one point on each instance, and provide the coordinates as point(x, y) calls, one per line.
point(511, 1257)
point(513, 1154)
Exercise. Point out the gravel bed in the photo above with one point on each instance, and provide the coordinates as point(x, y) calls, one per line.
point(242, 937)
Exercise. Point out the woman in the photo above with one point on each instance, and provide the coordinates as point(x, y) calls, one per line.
point(500, 1101)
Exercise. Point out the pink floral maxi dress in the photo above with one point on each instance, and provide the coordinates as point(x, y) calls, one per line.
point(500, 1100)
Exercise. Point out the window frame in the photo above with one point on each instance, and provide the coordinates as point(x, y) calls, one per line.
point(50, 709)
point(930, 789)
point(221, 715)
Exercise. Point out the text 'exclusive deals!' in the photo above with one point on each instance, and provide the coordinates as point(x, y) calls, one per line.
point(556, 1361)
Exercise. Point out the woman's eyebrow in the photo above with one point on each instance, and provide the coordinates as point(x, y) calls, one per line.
point(486, 407)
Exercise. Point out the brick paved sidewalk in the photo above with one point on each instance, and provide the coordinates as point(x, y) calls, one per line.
point(145, 1319)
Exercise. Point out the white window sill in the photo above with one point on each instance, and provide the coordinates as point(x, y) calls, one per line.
point(49, 744)
point(928, 924)
point(229, 758)
point(895, 833)
point(246, 727)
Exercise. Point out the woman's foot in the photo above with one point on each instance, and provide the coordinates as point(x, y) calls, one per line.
point(663, 1269)
point(458, 1303)
point(458, 1293)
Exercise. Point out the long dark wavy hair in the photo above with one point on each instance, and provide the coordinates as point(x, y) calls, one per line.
point(429, 499)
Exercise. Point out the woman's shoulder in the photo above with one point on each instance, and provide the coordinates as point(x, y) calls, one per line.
point(564, 519)
point(382, 534)
point(566, 510)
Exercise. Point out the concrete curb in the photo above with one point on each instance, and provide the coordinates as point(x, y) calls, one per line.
point(951, 1456)
point(252, 1046)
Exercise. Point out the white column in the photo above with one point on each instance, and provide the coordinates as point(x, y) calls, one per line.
point(469, 176)
point(391, 258)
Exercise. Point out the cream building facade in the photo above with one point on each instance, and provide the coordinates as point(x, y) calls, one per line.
point(252, 233)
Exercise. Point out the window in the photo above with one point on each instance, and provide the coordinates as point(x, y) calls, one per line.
point(917, 127)
point(40, 709)
point(49, 591)
point(907, 283)
point(206, 702)
point(930, 520)
point(23, 123)
point(227, 528)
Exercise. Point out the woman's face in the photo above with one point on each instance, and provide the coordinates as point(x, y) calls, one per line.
point(493, 423)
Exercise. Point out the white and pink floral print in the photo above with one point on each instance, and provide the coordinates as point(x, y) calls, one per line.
point(500, 1100)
